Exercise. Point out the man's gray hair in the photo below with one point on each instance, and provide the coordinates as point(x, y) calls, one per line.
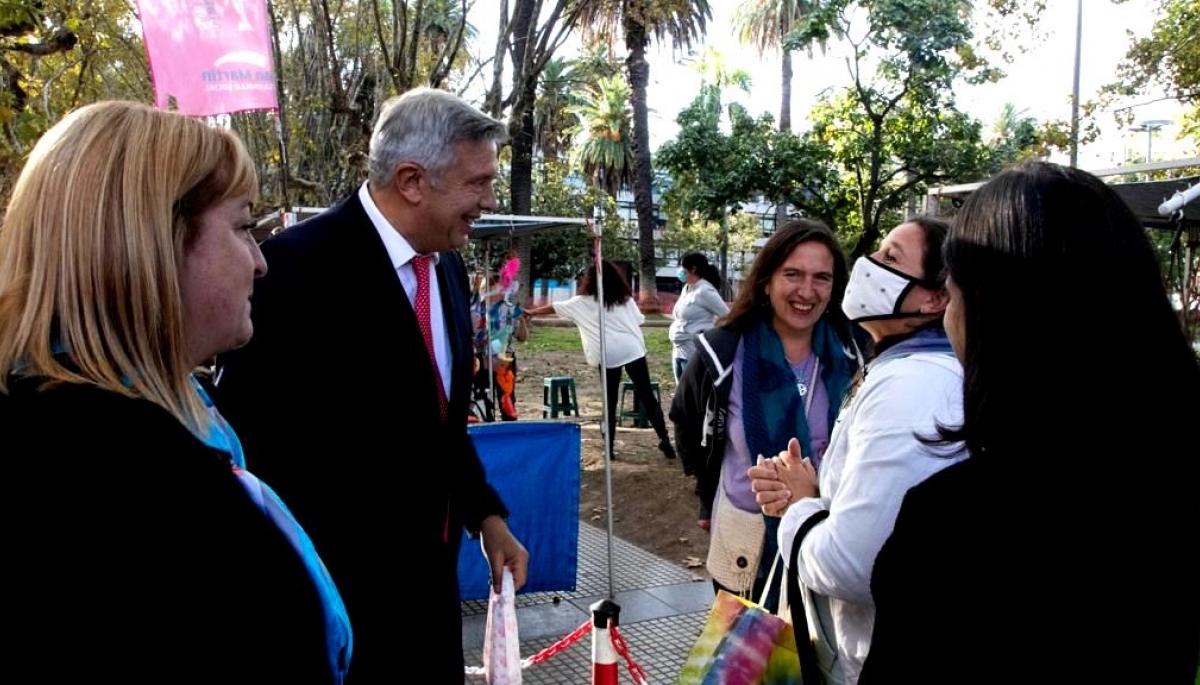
point(422, 126)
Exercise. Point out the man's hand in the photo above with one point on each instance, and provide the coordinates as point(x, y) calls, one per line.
point(502, 550)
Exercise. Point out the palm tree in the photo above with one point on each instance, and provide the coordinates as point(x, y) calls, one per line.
point(636, 21)
point(714, 71)
point(766, 24)
point(602, 147)
point(595, 61)
point(551, 120)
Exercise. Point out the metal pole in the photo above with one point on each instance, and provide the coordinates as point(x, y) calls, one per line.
point(487, 326)
point(604, 418)
point(1075, 95)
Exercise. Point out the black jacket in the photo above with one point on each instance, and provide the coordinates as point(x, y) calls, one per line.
point(133, 554)
point(699, 409)
point(1007, 572)
point(335, 403)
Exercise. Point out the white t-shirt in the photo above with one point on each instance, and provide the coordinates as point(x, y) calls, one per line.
point(623, 327)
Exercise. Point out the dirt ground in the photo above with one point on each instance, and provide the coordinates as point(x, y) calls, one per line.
point(653, 503)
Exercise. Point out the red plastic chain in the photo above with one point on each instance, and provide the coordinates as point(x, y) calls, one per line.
point(561, 644)
point(636, 671)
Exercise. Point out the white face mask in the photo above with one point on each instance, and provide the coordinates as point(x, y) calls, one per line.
point(876, 291)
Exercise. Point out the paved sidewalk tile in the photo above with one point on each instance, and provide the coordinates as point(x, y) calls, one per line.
point(660, 647)
point(663, 610)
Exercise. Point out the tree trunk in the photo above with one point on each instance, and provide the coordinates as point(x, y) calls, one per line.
point(282, 112)
point(636, 41)
point(785, 105)
point(785, 124)
point(521, 192)
point(522, 248)
point(521, 132)
point(869, 195)
point(911, 208)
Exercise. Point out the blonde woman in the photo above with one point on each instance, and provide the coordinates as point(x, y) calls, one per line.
point(125, 262)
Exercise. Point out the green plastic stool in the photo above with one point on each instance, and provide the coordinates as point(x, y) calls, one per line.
point(638, 413)
point(558, 397)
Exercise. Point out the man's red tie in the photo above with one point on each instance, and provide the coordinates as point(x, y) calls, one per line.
point(420, 265)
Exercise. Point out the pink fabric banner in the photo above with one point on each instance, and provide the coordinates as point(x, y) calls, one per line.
point(211, 56)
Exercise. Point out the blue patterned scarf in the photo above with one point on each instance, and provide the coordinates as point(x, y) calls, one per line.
point(773, 411)
point(339, 639)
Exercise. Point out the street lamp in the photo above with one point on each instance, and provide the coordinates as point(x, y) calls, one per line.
point(1150, 127)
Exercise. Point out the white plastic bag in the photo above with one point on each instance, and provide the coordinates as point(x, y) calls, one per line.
point(501, 645)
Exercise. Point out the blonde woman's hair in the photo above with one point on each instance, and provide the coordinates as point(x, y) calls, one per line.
point(91, 246)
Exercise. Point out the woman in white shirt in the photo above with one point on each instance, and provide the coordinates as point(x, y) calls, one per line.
point(876, 453)
point(697, 309)
point(624, 345)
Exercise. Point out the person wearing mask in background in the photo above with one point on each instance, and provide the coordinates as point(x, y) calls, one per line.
point(776, 368)
point(138, 548)
point(1064, 548)
point(878, 449)
point(697, 309)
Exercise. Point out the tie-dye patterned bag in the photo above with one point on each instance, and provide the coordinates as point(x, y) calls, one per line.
point(742, 644)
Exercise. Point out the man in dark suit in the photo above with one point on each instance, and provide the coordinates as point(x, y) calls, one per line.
point(341, 408)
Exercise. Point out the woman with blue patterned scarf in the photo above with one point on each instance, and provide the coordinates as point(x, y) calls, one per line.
point(774, 369)
point(834, 523)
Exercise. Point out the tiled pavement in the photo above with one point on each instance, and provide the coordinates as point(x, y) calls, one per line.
point(663, 608)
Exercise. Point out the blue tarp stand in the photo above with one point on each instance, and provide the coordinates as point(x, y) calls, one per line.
point(534, 465)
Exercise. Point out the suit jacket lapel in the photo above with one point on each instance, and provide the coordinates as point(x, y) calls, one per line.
point(379, 276)
point(448, 286)
point(370, 260)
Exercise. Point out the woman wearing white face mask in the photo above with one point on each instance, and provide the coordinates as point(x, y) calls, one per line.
point(832, 529)
point(697, 309)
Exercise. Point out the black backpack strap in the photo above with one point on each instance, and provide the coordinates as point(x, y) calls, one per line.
point(810, 670)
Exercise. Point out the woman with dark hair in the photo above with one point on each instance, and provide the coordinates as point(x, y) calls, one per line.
point(1063, 549)
point(911, 385)
point(774, 369)
point(697, 309)
point(624, 344)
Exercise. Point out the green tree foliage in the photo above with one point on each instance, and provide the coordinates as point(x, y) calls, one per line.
point(636, 22)
point(562, 253)
point(56, 55)
point(1016, 137)
point(602, 135)
point(336, 66)
point(713, 170)
point(1167, 62)
point(896, 128)
point(694, 233)
point(551, 120)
